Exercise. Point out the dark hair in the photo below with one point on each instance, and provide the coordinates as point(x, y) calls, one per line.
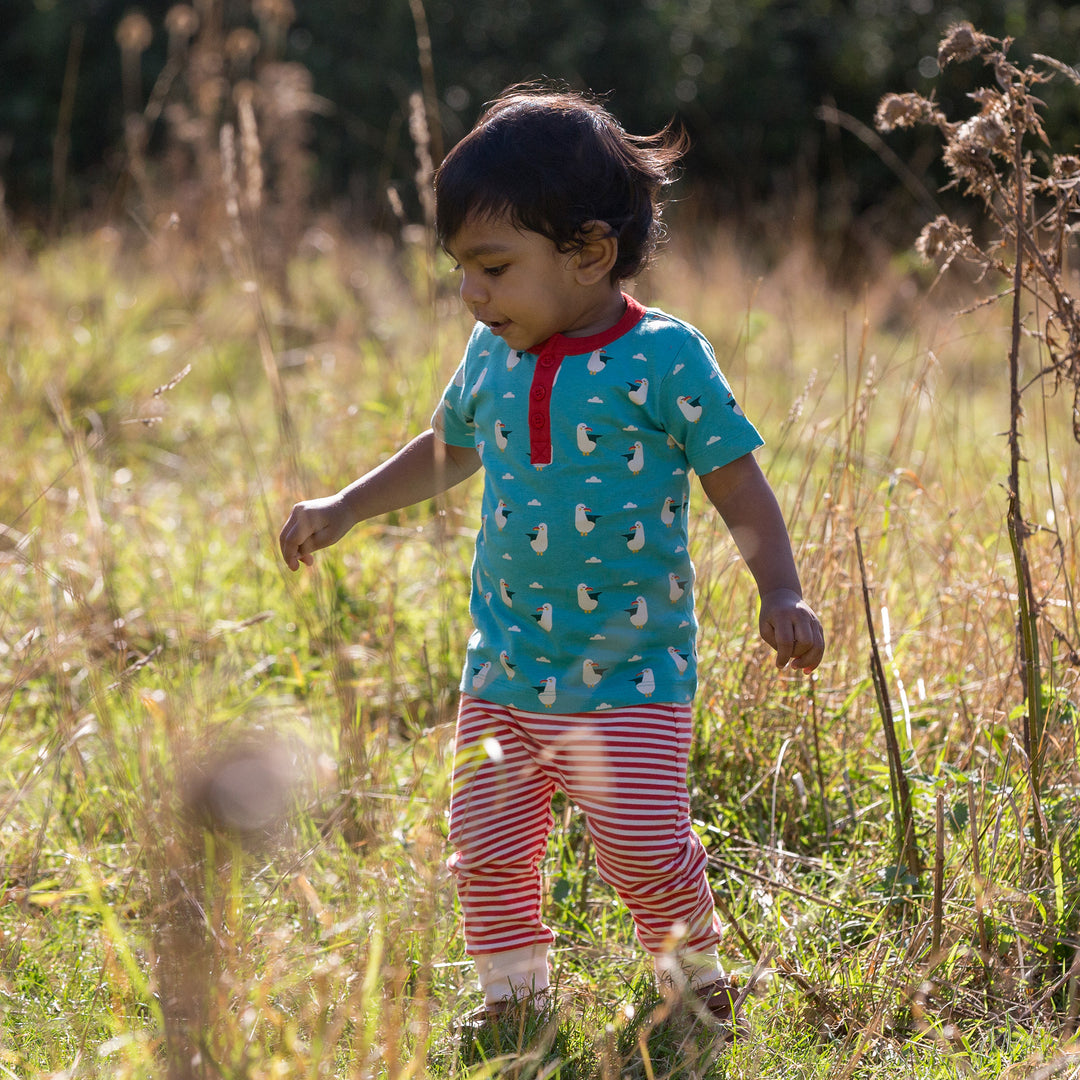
point(552, 161)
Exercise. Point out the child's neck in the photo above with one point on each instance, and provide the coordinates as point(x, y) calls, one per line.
point(602, 311)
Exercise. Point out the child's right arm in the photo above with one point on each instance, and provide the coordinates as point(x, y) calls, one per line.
point(420, 470)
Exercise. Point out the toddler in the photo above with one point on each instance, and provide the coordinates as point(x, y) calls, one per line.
point(588, 413)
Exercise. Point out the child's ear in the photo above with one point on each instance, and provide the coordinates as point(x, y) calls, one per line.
point(599, 251)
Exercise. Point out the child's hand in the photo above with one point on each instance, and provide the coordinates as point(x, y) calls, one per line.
point(788, 623)
point(314, 524)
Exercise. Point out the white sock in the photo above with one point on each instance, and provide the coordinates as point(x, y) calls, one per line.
point(513, 973)
point(690, 969)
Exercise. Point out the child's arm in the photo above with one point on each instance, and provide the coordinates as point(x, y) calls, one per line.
point(420, 470)
point(742, 495)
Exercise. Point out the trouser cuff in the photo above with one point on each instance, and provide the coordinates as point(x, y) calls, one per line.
point(513, 973)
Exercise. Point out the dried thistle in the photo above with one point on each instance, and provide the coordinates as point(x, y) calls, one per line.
point(968, 159)
point(942, 236)
point(1065, 166)
point(963, 42)
point(1030, 207)
point(904, 111)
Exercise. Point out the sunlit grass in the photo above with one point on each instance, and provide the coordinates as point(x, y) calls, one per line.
point(148, 630)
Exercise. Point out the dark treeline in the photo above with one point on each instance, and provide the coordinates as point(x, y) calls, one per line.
point(748, 78)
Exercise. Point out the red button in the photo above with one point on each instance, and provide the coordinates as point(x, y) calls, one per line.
point(538, 421)
point(539, 393)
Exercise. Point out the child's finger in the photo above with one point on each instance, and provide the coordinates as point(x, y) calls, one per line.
point(291, 543)
point(782, 639)
point(809, 651)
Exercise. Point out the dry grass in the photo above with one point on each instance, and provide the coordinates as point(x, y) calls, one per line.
point(224, 787)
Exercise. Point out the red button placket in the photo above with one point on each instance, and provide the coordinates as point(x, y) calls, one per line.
point(548, 358)
point(547, 367)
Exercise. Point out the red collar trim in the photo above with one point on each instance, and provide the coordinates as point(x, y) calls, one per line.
point(549, 355)
point(562, 345)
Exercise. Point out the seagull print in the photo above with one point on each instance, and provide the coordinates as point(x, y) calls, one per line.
point(676, 587)
point(584, 519)
point(679, 659)
point(635, 460)
point(638, 612)
point(597, 363)
point(667, 515)
point(639, 391)
point(635, 538)
point(586, 440)
point(546, 692)
point(646, 681)
point(590, 673)
point(586, 598)
point(504, 659)
point(538, 538)
point(543, 616)
point(501, 431)
point(505, 594)
point(501, 514)
point(479, 382)
point(690, 407)
point(480, 675)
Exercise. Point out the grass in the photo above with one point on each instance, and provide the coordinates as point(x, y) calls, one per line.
point(224, 787)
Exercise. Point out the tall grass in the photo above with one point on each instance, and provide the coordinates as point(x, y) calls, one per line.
point(224, 789)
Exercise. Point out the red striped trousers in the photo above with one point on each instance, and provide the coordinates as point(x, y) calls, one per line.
point(626, 770)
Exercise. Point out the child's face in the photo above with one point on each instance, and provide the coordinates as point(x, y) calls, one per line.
point(520, 284)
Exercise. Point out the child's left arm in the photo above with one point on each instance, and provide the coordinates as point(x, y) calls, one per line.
point(746, 502)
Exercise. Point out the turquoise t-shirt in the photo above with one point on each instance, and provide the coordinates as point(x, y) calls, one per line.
point(582, 592)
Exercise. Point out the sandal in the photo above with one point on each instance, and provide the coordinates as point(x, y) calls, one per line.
point(719, 1002)
point(495, 1011)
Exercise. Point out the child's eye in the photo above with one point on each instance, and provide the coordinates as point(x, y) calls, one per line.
point(494, 271)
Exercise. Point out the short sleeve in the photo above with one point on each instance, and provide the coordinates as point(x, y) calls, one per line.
point(452, 420)
point(699, 410)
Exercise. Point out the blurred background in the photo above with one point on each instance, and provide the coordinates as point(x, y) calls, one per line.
point(778, 95)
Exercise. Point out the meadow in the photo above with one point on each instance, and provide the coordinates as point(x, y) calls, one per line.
point(224, 787)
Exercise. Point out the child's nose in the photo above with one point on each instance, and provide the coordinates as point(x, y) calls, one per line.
point(472, 289)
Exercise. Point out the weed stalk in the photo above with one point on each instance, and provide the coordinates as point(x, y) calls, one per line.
point(1027, 626)
point(1030, 215)
point(906, 847)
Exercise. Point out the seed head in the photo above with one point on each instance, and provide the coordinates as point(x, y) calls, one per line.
point(968, 159)
point(902, 111)
point(988, 129)
point(940, 236)
point(1066, 165)
point(962, 42)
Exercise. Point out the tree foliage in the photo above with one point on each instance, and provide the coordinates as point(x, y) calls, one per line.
point(746, 77)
